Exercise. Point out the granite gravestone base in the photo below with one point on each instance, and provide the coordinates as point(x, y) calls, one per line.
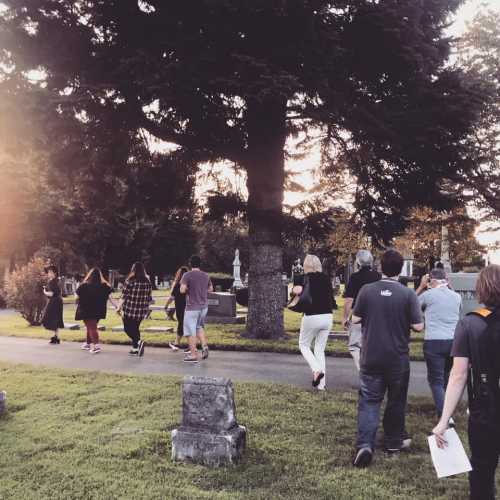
point(222, 309)
point(209, 434)
point(3, 402)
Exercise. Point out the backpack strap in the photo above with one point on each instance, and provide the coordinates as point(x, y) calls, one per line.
point(484, 372)
point(482, 312)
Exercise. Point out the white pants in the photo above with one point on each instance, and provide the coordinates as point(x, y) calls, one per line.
point(316, 327)
point(355, 338)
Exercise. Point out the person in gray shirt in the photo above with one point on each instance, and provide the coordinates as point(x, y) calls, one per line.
point(441, 307)
point(387, 311)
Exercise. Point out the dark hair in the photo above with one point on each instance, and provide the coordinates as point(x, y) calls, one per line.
point(437, 274)
point(195, 261)
point(180, 273)
point(138, 273)
point(53, 269)
point(488, 286)
point(392, 262)
point(95, 277)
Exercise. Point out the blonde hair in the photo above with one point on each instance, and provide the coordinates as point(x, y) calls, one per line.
point(312, 264)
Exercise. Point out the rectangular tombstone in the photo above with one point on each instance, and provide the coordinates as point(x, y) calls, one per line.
point(222, 304)
point(465, 285)
point(209, 433)
point(3, 402)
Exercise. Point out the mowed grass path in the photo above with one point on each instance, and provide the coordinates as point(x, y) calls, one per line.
point(74, 435)
point(222, 337)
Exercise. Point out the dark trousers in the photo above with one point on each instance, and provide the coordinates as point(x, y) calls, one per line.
point(131, 327)
point(484, 441)
point(92, 332)
point(179, 312)
point(373, 388)
point(437, 354)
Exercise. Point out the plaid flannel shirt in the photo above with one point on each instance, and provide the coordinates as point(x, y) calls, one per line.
point(136, 298)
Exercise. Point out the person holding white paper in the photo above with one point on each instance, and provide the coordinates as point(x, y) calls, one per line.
point(476, 351)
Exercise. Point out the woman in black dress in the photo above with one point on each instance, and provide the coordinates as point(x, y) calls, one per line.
point(93, 295)
point(180, 306)
point(53, 314)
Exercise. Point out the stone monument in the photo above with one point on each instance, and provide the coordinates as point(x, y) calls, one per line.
point(237, 283)
point(3, 402)
point(222, 308)
point(209, 434)
point(465, 285)
point(445, 249)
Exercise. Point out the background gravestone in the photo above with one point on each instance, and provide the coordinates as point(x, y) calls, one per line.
point(465, 285)
point(222, 308)
point(3, 402)
point(209, 433)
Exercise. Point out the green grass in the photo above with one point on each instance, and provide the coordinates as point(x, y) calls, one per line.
point(221, 337)
point(79, 435)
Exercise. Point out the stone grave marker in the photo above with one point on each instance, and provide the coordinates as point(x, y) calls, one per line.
point(3, 402)
point(222, 308)
point(209, 433)
point(465, 285)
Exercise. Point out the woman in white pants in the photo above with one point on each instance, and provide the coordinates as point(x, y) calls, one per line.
point(317, 321)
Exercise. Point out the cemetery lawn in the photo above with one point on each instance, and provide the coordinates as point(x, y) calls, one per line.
point(79, 435)
point(220, 337)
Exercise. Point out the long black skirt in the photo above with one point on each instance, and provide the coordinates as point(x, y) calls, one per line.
point(53, 314)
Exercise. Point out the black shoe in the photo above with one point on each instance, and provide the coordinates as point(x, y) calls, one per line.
point(141, 347)
point(316, 382)
point(204, 353)
point(54, 340)
point(364, 457)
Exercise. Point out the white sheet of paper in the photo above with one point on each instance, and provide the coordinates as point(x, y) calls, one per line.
point(452, 459)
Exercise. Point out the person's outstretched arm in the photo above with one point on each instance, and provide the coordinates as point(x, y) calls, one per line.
point(454, 392)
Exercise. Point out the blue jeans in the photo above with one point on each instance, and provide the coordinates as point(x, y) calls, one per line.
point(393, 380)
point(437, 354)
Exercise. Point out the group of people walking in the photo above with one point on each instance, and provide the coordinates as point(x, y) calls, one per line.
point(380, 312)
point(190, 293)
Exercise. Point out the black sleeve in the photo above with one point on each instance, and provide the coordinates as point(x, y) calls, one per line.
point(351, 289)
point(460, 347)
point(54, 287)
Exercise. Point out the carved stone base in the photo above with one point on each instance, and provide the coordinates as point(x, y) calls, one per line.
point(206, 448)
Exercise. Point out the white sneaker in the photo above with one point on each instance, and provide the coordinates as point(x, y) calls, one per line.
point(85, 347)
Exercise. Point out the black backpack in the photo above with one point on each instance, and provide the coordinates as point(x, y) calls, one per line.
point(484, 373)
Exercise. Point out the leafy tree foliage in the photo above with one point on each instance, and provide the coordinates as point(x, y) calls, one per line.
point(479, 54)
point(231, 80)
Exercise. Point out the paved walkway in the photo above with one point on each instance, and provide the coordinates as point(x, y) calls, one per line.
point(239, 366)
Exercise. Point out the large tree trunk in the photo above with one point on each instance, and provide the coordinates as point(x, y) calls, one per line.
point(266, 121)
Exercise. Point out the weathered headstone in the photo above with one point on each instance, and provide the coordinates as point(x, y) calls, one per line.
point(222, 308)
point(465, 285)
point(3, 402)
point(209, 433)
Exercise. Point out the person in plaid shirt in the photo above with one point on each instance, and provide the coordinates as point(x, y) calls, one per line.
point(134, 305)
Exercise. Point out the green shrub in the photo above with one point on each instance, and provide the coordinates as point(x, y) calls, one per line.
point(24, 291)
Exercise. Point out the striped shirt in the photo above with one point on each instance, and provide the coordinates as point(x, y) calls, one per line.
point(136, 298)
